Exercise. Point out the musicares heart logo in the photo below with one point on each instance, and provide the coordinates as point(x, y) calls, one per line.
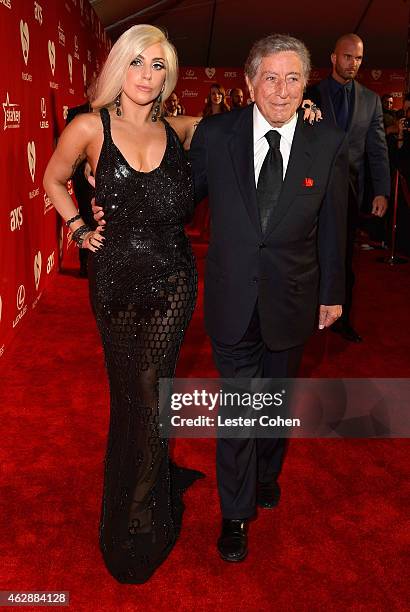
point(210, 72)
point(85, 74)
point(70, 67)
point(52, 55)
point(376, 74)
point(25, 39)
point(31, 156)
point(37, 269)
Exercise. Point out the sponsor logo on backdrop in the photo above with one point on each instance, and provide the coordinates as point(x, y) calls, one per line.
point(38, 13)
point(48, 205)
point(21, 297)
point(89, 55)
point(36, 301)
point(31, 156)
point(37, 269)
point(68, 7)
point(25, 40)
point(61, 35)
point(50, 262)
point(25, 47)
point(52, 60)
point(189, 75)
point(70, 67)
point(43, 110)
point(16, 218)
point(230, 75)
point(52, 55)
point(21, 306)
point(11, 114)
point(85, 74)
point(189, 93)
point(82, 6)
point(65, 112)
point(396, 77)
point(76, 54)
point(6, 3)
point(210, 72)
point(376, 74)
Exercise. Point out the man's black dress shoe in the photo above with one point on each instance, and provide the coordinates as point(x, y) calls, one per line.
point(268, 495)
point(346, 331)
point(233, 541)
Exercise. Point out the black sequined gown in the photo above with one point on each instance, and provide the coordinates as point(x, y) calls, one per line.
point(143, 290)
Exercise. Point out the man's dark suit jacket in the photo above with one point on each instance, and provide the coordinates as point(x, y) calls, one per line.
point(366, 136)
point(299, 262)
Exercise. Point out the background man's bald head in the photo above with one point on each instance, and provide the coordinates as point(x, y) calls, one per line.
point(349, 38)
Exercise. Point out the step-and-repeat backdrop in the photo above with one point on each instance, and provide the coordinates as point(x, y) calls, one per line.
point(50, 50)
point(194, 84)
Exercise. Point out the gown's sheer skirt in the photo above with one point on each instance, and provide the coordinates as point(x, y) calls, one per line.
point(143, 290)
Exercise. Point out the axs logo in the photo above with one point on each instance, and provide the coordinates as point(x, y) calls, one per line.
point(16, 218)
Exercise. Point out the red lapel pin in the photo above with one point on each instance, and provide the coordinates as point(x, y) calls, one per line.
point(308, 182)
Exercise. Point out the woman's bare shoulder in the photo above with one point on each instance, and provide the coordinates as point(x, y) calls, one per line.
point(183, 125)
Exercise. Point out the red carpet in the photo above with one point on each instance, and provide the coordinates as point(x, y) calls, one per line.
point(339, 540)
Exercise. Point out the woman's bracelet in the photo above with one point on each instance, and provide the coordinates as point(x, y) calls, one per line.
point(70, 221)
point(78, 235)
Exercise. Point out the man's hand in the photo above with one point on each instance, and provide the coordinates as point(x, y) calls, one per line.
point(379, 206)
point(97, 210)
point(328, 315)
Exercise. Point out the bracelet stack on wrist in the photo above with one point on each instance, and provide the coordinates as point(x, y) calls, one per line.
point(70, 221)
point(78, 235)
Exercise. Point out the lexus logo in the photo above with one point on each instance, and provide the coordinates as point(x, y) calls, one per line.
point(37, 269)
point(52, 55)
point(21, 296)
point(25, 39)
point(43, 108)
point(31, 156)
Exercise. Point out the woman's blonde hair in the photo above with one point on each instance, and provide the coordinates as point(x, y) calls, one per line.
point(129, 45)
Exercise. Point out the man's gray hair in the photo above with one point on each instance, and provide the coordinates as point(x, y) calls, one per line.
point(276, 43)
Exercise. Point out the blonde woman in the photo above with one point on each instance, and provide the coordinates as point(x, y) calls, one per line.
point(143, 284)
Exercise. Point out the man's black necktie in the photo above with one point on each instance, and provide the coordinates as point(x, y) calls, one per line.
point(270, 179)
point(342, 114)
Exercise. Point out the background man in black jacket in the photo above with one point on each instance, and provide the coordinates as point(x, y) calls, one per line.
point(277, 190)
point(357, 111)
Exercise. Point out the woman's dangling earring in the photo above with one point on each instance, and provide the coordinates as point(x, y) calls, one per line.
point(118, 105)
point(156, 108)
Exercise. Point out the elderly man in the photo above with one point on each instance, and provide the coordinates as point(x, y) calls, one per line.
point(275, 267)
point(357, 111)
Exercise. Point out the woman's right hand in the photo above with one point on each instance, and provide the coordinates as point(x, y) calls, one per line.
point(94, 241)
